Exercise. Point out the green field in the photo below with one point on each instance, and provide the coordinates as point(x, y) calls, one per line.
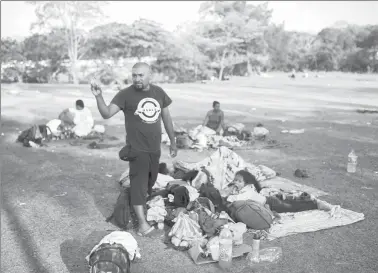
point(44, 230)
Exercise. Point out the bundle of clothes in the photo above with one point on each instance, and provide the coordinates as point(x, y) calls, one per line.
point(197, 202)
point(202, 137)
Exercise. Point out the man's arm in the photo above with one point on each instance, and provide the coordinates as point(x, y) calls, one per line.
point(222, 121)
point(106, 111)
point(168, 124)
point(206, 120)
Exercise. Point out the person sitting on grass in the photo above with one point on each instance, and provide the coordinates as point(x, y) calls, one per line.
point(215, 119)
point(80, 118)
point(246, 187)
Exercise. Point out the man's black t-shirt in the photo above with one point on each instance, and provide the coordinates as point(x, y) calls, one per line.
point(142, 111)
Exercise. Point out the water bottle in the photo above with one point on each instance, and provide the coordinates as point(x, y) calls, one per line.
point(254, 256)
point(225, 248)
point(352, 162)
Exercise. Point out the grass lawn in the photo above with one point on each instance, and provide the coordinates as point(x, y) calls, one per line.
point(55, 199)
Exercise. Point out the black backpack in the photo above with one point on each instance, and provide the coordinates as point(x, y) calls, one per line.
point(30, 135)
point(110, 258)
point(121, 214)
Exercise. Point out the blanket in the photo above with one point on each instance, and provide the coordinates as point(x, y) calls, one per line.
point(313, 220)
point(223, 164)
point(306, 221)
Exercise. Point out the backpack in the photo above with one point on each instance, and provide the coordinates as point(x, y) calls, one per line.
point(36, 133)
point(121, 214)
point(110, 258)
point(251, 213)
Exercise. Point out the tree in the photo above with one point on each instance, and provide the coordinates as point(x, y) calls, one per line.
point(235, 29)
point(109, 41)
point(50, 47)
point(72, 17)
point(192, 48)
point(12, 59)
point(147, 38)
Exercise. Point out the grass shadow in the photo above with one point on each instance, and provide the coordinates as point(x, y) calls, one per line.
point(29, 248)
point(74, 251)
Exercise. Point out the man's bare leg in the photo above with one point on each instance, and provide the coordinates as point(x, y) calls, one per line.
point(143, 225)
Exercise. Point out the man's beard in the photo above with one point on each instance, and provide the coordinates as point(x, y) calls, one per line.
point(139, 86)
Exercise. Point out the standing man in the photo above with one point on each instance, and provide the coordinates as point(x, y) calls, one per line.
point(144, 105)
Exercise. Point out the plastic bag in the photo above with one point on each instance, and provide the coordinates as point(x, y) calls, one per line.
point(157, 201)
point(185, 228)
point(266, 256)
point(238, 230)
point(156, 214)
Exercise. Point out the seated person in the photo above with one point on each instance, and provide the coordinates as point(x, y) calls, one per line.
point(79, 117)
point(246, 187)
point(215, 119)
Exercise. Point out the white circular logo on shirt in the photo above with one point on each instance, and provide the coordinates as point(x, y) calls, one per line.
point(148, 110)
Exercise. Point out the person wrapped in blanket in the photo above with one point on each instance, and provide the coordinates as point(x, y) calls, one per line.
point(246, 187)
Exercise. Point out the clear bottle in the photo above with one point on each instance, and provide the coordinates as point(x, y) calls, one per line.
point(225, 248)
point(254, 256)
point(352, 162)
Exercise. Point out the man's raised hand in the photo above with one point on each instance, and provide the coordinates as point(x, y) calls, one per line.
point(95, 87)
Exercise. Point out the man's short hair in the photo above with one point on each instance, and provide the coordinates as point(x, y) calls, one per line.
point(215, 103)
point(80, 103)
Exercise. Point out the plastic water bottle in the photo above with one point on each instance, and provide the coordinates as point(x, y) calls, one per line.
point(255, 254)
point(225, 248)
point(352, 162)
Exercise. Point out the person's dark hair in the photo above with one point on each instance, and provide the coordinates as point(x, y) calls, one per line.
point(249, 179)
point(163, 169)
point(215, 103)
point(80, 103)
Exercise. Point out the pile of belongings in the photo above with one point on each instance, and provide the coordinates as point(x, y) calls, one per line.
point(38, 135)
point(190, 200)
point(202, 137)
point(35, 136)
point(114, 253)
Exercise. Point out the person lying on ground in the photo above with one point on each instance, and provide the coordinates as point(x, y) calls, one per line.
point(215, 119)
point(246, 187)
point(144, 106)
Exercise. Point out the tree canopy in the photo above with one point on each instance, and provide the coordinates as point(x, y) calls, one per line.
point(231, 37)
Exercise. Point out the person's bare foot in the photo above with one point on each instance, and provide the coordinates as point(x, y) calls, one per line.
point(143, 228)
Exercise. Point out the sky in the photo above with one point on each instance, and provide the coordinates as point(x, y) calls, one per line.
point(312, 16)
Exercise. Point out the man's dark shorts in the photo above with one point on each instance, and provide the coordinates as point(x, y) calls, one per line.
point(144, 169)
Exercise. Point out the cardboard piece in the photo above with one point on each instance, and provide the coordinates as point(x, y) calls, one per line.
point(237, 251)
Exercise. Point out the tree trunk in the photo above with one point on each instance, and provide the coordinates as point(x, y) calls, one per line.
point(20, 78)
point(75, 78)
point(196, 72)
point(249, 67)
point(222, 65)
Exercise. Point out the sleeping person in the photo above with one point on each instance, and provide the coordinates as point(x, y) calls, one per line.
point(246, 187)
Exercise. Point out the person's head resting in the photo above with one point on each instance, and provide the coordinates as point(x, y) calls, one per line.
point(216, 105)
point(244, 178)
point(79, 105)
point(141, 75)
